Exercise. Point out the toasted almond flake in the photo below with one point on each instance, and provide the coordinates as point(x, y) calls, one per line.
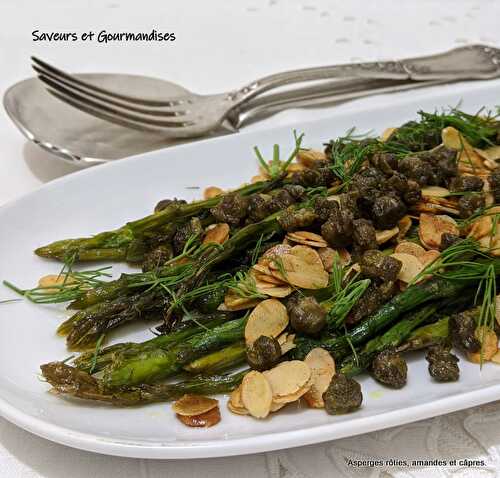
point(277, 251)
point(467, 155)
point(435, 191)
point(269, 318)
point(191, 404)
point(235, 404)
point(404, 225)
point(307, 238)
point(491, 165)
point(259, 178)
point(207, 419)
point(273, 290)
point(429, 257)
point(293, 397)
point(411, 266)
point(489, 344)
point(410, 248)
point(269, 279)
point(432, 227)
point(434, 208)
point(322, 368)
point(217, 234)
point(294, 167)
point(496, 358)
point(52, 282)
point(263, 269)
point(288, 345)
point(328, 257)
point(307, 254)
point(288, 378)
point(384, 236)
point(256, 394)
point(212, 192)
point(307, 157)
point(277, 406)
point(492, 153)
point(301, 274)
point(233, 301)
point(481, 227)
point(387, 133)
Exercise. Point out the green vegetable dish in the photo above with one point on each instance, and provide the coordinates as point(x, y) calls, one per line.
point(329, 264)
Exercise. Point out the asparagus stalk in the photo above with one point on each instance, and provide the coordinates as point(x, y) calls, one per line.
point(356, 364)
point(415, 295)
point(157, 364)
point(426, 336)
point(220, 360)
point(73, 382)
point(90, 361)
point(112, 245)
point(86, 326)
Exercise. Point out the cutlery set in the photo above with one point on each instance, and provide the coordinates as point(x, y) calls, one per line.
point(170, 113)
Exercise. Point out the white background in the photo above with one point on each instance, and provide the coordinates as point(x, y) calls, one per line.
point(222, 45)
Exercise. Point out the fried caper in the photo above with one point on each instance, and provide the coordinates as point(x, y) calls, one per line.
point(343, 395)
point(306, 315)
point(443, 365)
point(265, 353)
point(390, 369)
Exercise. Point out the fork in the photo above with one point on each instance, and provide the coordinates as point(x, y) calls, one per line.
point(194, 115)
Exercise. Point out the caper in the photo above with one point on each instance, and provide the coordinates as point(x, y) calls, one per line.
point(264, 354)
point(306, 315)
point(343, 395)
point(390, 369)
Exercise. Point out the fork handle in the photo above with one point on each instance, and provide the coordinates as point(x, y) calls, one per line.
point(463, 63)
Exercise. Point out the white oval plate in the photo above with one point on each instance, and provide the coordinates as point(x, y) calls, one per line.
point(105, 197)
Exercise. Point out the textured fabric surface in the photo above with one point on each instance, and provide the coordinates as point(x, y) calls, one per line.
point(222, 45)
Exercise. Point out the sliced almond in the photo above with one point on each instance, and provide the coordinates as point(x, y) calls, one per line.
point(428, 257)
point(270, 279)
point(259, 178)
point(293, 397)
point(307, 238)
point(288, 344)
point(53, 282)
point(277, 406)
point(481, 227)
point(191, 404)
point(273, 290)
point(235, 404)
point(432, 227)
point(410, 268)
point(233, 301)
point(328, 257)
point(208, 419)
point(435, 191)
point(322, 368)
point(491, 154)
point(387, 133)
point(299, 273)
point(218, 234)
point(256, 394)
point(410, 248)
point(489, 345)
point(468, 158)
point(212, 192)
point(386, 235)
point(404, 225)
point(307, 157)
point(269, 318)
point(287, 379)
point(308, 255)
point(277, 251)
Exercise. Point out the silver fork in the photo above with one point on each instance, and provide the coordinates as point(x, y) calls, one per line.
point(194, 115)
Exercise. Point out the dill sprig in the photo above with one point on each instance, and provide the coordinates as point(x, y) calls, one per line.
point(345, 294)
point(74, 285)
point(243, 284)
point(276, 168)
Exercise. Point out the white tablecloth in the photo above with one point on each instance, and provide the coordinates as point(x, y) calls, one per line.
point(221, 45)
